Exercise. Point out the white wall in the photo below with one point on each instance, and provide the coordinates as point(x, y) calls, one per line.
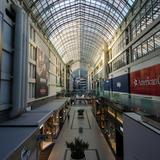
point(54, 62)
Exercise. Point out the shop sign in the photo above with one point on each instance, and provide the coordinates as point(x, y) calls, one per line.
point(146, 81)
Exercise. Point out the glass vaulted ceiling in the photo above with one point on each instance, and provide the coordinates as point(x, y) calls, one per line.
point(79, 29)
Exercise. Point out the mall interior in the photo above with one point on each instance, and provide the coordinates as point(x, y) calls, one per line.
point(79, 79)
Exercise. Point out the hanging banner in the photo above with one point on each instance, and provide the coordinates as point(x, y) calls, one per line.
point(146, 81)
point(121, 84)
point(41, 74)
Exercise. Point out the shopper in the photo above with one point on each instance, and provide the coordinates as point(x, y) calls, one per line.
point(68, 116)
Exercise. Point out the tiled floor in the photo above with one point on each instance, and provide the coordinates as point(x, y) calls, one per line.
point(98, 147)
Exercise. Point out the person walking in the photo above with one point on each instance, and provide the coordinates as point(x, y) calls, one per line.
point(68, 116)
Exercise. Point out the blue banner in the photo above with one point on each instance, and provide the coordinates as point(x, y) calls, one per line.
point(120, 84)
point(107, 85)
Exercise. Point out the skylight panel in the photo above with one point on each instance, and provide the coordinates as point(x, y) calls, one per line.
point(82, 26)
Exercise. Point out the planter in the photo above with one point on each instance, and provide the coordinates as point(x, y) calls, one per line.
point(80, 111)
point(77, 147)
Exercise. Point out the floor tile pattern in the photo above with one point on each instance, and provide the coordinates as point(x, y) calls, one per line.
point(98, 147)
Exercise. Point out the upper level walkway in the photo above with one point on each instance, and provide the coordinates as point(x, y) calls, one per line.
point(98, 147)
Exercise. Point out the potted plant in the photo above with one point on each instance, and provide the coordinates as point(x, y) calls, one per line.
point(80, 113)
point(78, 146)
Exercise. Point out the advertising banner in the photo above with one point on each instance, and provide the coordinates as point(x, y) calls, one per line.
point(41, 74)
point(121, 84)
point(146, 81)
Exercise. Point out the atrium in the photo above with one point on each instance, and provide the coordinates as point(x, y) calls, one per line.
point(80, 71)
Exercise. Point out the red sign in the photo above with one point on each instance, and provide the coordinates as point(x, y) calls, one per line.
point(146, 81)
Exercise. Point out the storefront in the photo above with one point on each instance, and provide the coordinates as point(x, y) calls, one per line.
point(62, 115)
point(110, 120)
point(52, 127)
point(29, 135)
point(49, 131)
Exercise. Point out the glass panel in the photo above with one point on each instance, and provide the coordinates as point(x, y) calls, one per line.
point(143, 19)
point(133, 29)
point(149, 17)
point(156, 9)
point(150, 44)
point(143, 24)
point(144, 48)
point(148, 5)
point(79, 28)
point(139, 51)
point(138, 25)
point(157, 39)
point(134, 54)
